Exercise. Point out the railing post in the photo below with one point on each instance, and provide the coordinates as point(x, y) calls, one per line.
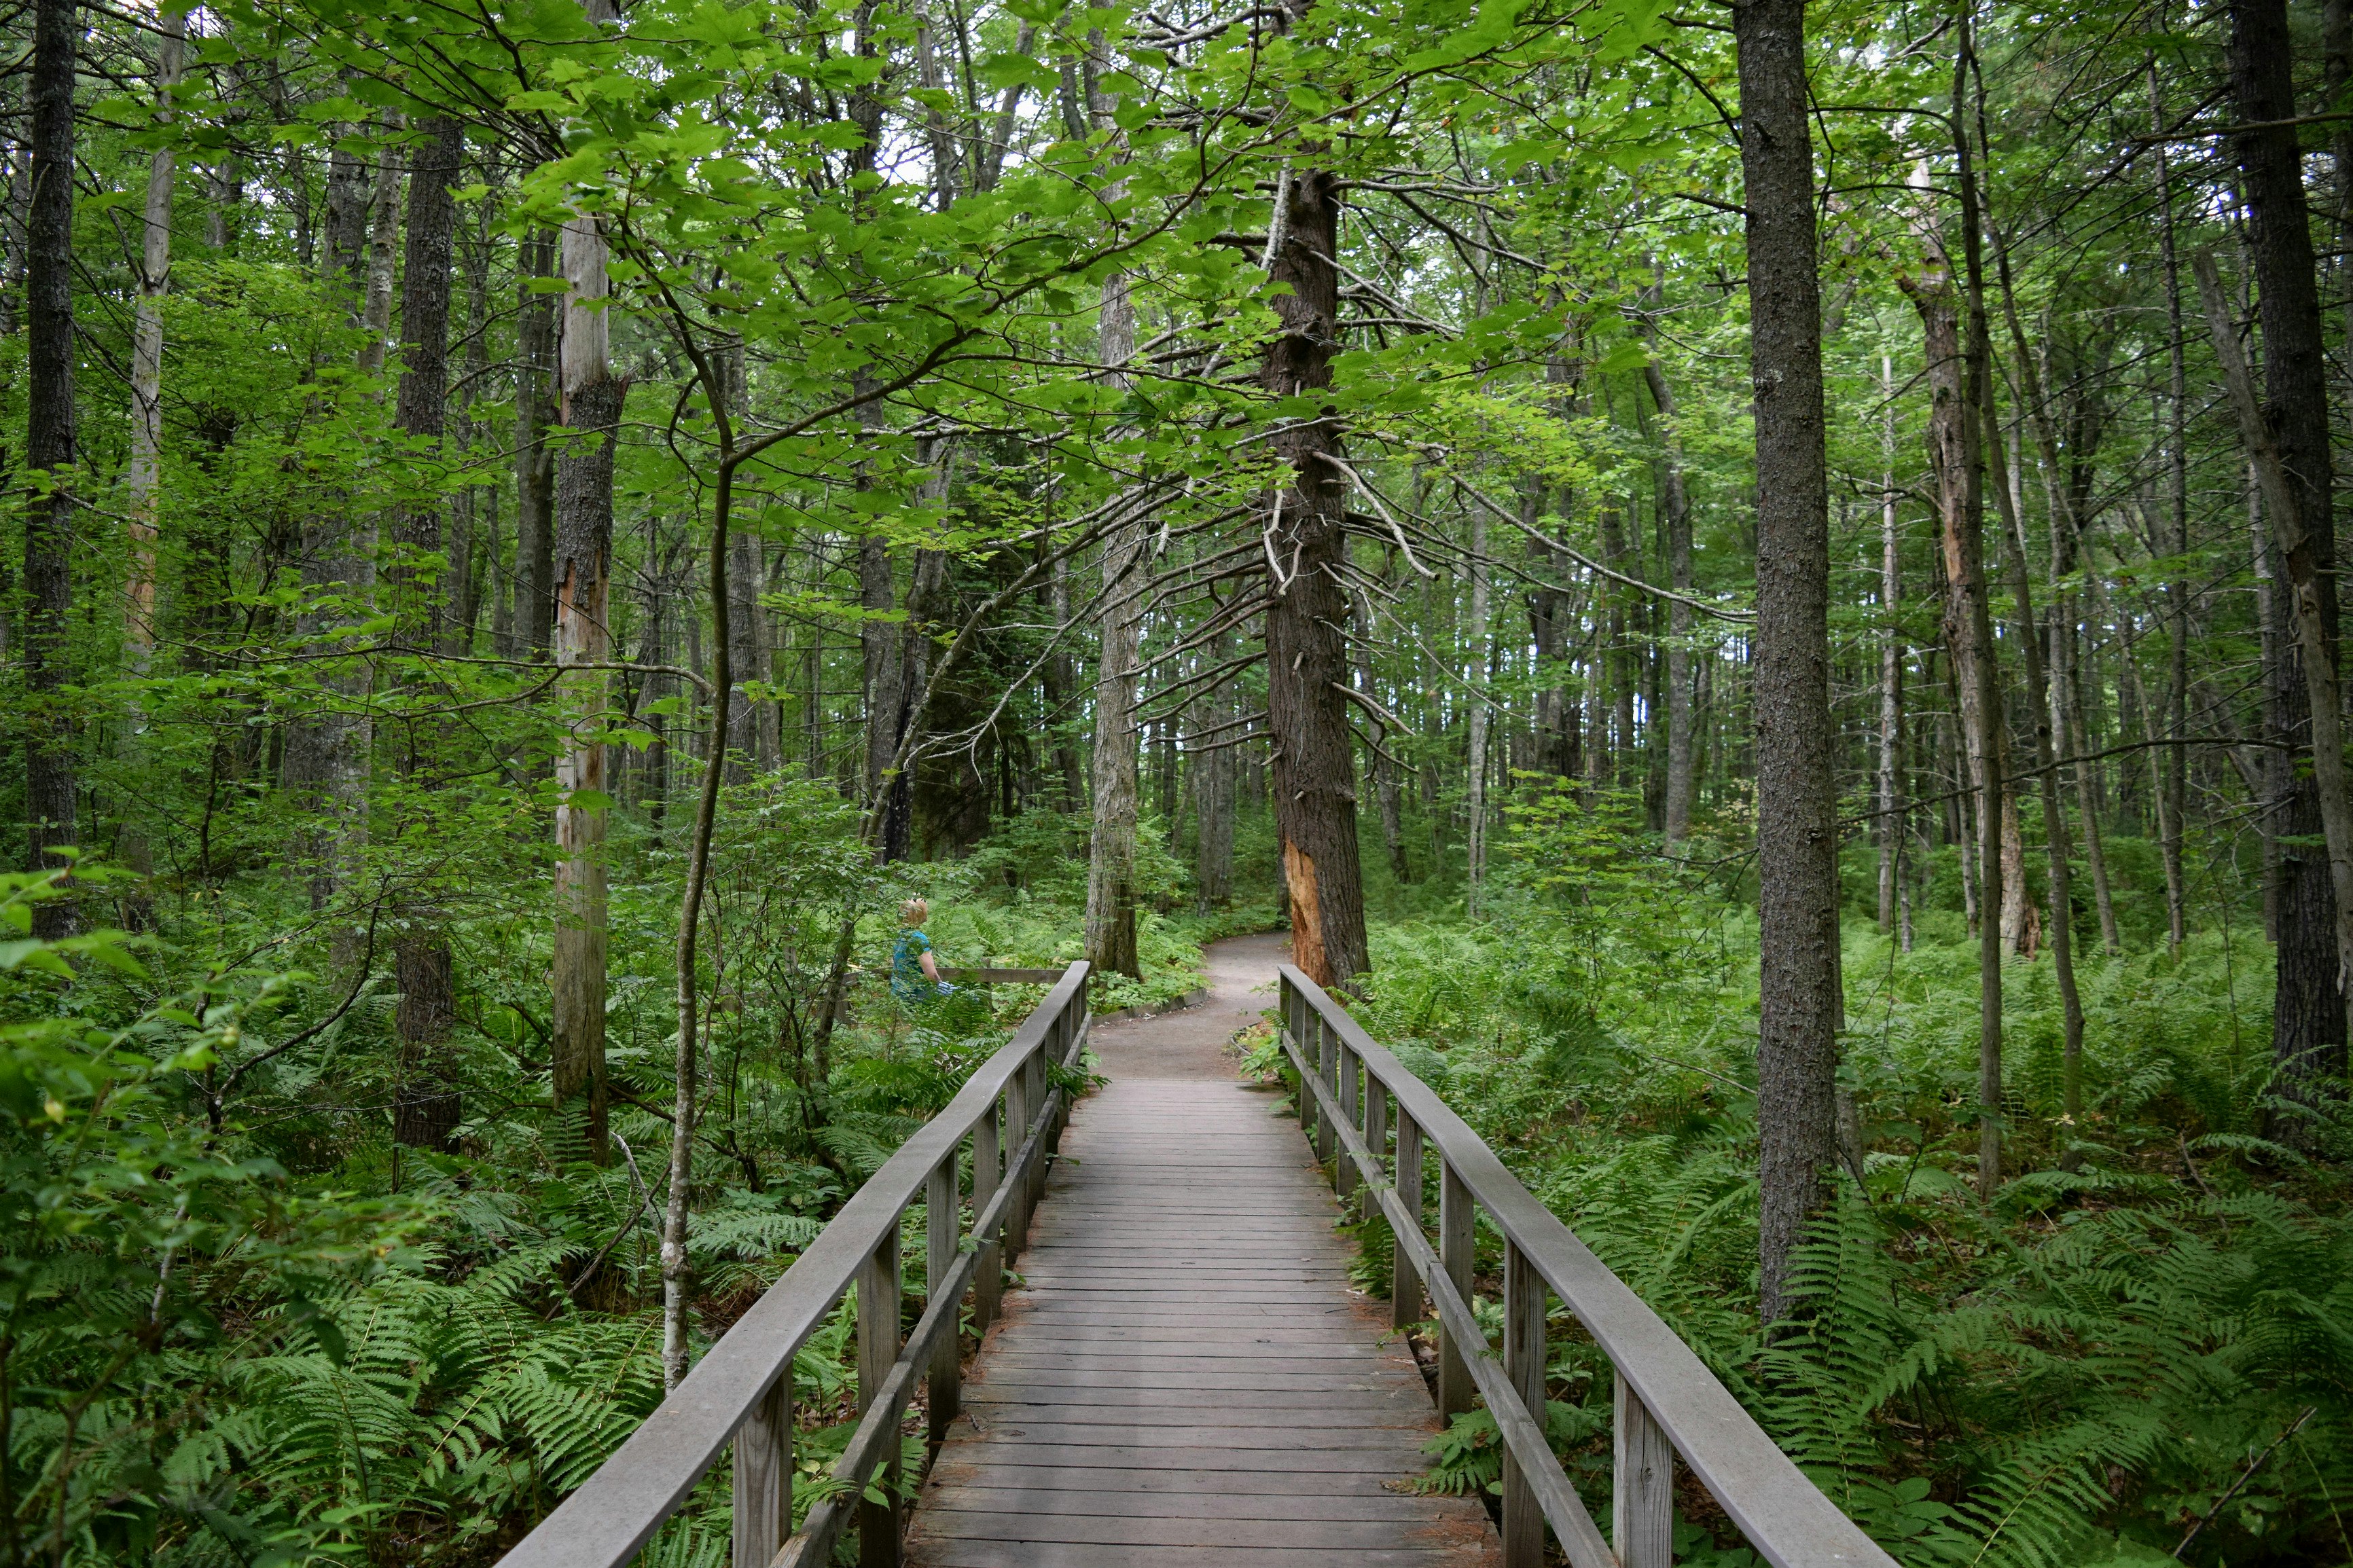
point(942, 1229)
point(1033, 1075)
point(1327, 1070)
point(878, 1308)
point(1455, 1390)
point(1404, 1286)
point(1523, 1367)
point(1294, 1016)
point(764, 1477)
point(987, 1170)
point(1642, 1490)
point(1017, 1128)
point(1345, 1174)
point(1377, 1136)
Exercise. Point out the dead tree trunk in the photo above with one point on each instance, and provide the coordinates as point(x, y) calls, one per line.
point(580, 577)
point(1314, 767)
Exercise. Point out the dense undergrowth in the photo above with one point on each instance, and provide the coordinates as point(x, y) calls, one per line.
point(242, 1326)
point(2146, 1354)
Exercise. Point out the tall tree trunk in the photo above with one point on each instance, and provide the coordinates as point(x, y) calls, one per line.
point(1476, 688)
point(50, 778)
point(580, 576)
point(1306, 655)
point(427, 1109)
point(1213, 794)
point(1890, 662)
point(1111, 844)
point(1797, 825)
point(535, 457)
point(142, 474)
point(2174, 794)
point(1954, 431)
point(2308, 1013)
point(2055, 809)
point(1062, 680)
point(1674, 511)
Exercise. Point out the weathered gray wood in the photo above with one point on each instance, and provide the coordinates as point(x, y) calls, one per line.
point(1782, 1515)
point(1455, 1222)
point(1343, 1067)
point(1255, 1535)
point(943, 1230)
point(1523, 1369)
point(879, 1310)
point(1376, 1133)
point(1327, 1070)
point(762, 1480)
point(1019, 1110)
point(1002, 976)
point(1213, 1500)
point(605, 1522)
point(987, 1171)
point(1405, 1290)
point(1180, 1487)
point(1643, 1487)
point(1083, 1554)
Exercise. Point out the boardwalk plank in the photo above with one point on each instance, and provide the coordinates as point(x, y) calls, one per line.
point(1184, 1378)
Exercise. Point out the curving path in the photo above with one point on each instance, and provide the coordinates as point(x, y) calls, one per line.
point(1188, 1380)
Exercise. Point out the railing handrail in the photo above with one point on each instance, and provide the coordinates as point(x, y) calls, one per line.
point(1785, 1517)
point(610, 1516)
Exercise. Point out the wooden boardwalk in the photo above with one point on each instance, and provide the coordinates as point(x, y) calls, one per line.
point(1188, 1380)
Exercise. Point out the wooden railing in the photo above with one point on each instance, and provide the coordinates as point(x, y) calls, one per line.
point(741, 1393)
point(1376, 1123)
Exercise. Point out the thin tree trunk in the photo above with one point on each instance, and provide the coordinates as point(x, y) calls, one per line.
point(1890, 662)
point(142, 474)
point(1213, 795)
point(1111, 845)
point(580, 578)
point(50, 778)
point(535, 458)
point(2308, 1012)
point(1674, 511)
point(2174, 793)
point(2308, 580)
point(1796, 829)
point(1476, 690)
point(428, 1111)
point(1954, 431)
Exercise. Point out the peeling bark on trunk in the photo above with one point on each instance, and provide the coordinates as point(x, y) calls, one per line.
point(1306, 655)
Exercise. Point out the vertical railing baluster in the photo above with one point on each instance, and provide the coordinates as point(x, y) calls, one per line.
point(1017, 1110)
point(1455, 1219)
point(1033, 1075)
point(1524, 1368)
point(1327, 1071)
point(1404, 1286)
point(1376, 1135)
point(1642, 1488)
point(1294, 1014)
point(878, 1310)
point(1345, 1174)
point(987, 1169)
point(943, 1231)
point(764, 1477)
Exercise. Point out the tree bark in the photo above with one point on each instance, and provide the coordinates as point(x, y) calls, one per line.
point(1890, 662)
point(1476, 688)
point(427, 1113)
point(535, 458)
point(1954, 432)
point(1213, 796)
point(2174, 792)
point(1306, 655)
point(143, 473)
point(1796, 828)
point(50, 776)
point(2301, 1076)
point(580, 573)
point(1674, 511)
point(2308, 1012)
point(1111, 844)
